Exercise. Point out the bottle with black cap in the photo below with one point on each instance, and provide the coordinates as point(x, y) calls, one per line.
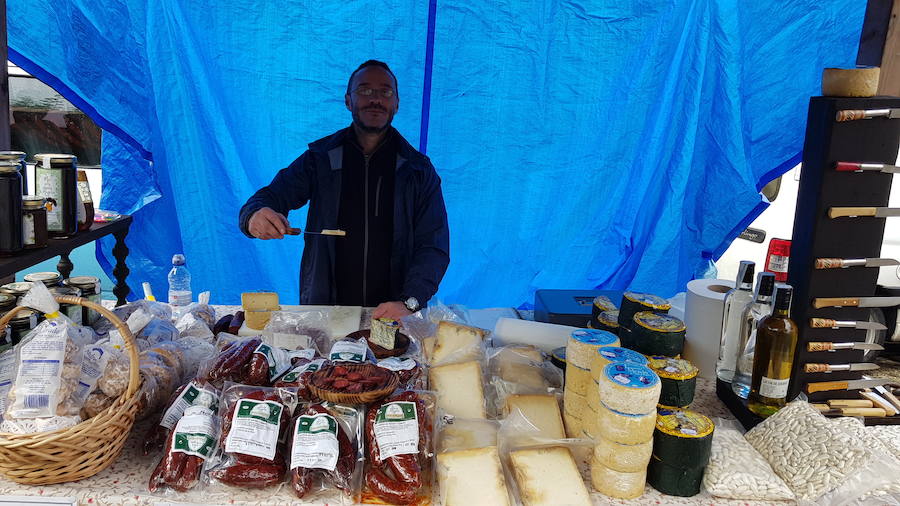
point(756, 311)
point(776, 340)
point(736, 301)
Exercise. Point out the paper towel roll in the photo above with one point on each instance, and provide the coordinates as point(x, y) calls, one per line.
point(703, 317)
point(546, 336)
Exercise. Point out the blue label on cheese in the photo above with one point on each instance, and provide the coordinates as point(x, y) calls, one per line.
point(594, 337)
point(617, 354)
point(631, 375)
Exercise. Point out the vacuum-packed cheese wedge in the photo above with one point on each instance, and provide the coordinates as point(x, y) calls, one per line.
point(548, 477)
point(456, 343)
point(624, 428)
point(470, 477)
point(629, 388)
point(459, 389)
point(541, 411)
point(520, 365)
point(618, 484)
point(467, 433)
point(622, 458)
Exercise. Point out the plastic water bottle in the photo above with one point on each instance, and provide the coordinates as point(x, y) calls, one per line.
point(179, 282)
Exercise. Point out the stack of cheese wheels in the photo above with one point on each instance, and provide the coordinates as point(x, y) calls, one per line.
point(629, 393)
point(608, 321)
point(682, 443)
point(633, 302)
point(603, 357)
point(678, 378)
point(580, 351)
point(601, 303)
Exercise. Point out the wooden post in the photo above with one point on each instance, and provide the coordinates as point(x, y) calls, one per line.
point(889, 83)
point(4, 82)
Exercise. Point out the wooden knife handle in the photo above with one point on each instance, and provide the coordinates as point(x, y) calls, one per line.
point(825, 386)
point(838, 212)
point(850, 115)
point(829, 263)
point(819, 346)
point(863, 412)
point(821, 302)
point(816, 368)
point(822, 323)
point(847, 167)
point(850, 403)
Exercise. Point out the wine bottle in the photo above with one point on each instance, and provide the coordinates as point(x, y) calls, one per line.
point(736, 301)
point(760, 308)
point(776, 340)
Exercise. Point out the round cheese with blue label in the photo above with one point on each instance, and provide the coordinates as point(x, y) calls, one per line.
point(629, 388)
point(582, 343)
point(610, 354)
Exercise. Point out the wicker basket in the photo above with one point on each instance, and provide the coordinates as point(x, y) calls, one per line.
point(81, 451)
point(369, 396)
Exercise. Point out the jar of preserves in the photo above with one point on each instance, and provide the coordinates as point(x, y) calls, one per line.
point(7, 302)
point(55, 179)
point(73, 311)
point(86, 213)
point(34, 222)
point(49, 279)
point(21, 325)
point(90, 290)
point(10, 209)
point(17, 290)
point(17, 157)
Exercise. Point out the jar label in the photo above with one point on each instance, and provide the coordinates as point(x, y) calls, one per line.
point(28, 229)
point(49, 184)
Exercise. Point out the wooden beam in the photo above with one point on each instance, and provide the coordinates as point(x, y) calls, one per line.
point(889, 83)
point(4, 82)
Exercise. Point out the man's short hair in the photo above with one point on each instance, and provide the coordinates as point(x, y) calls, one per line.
point(371, 63)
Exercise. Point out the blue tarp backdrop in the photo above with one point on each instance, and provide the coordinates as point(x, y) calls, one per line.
point(581, 144)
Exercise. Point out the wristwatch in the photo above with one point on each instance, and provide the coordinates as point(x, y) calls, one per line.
point(412, 304)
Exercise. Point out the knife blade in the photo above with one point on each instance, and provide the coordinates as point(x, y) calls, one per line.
point(862, 366)
point(829, 346)
point(843, 263)
point(826, 323)
point(889, 396)
point(879, 401)
point(857, 114)
point(828, 386)
point(860, 167)
point(821, 302)
point(325, 231)
point(853, 212)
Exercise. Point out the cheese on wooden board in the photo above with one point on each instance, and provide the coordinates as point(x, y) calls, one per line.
point(455, 342)
point(850, 82)
point(609, 354)
point(622, 458)
point(577, 379)
point(582, 343)
point(629, 388)
point(574, 403)
point(573, 425)
point(259, 301)
point(257, 320)
point(466, 433)
point(623, 428)
point(470, 477)
point(460, 389)
point(541, 411)
point(548, 477)
point(618, 484)
point(383, 332)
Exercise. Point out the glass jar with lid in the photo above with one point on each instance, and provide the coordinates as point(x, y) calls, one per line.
point(49, 279)
point(17, 157)
point(90, 290)
point(73, 311)
point(55, 178)
point(17, 289)
point(22, 323)
point(7, 302)
point(10, 209)
point(34, 221)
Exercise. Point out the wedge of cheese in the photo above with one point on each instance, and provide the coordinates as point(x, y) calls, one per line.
point(260, 301)
point(548, 477)
point(459, 389)
point(541, 411)
point(520, 365)
point(470, 477)
point(456, 343)
point(466, 434)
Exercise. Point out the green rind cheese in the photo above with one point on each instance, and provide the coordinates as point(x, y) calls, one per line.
point(601, 303)
point(608, 321)
point(682, 438)
point(558, 357)
point(632, 302)
point(672, 480)
point(678, 378)
point(657, 334)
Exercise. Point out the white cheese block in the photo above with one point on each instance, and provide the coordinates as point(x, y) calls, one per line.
point(541, 411)
point(548, 477)
point(574, 403)
point(622, 458)
point(459, 389)
point(521, 365)
point(257, 320)
point(623, 428)
point(618, 484)
point(629, 388)
point(582, 343)
point(608, 354)
point(470, 477)
point(850, 82)
point(465, 434)
point(456, 343)
point(573, 425)
point(577, 379)
point(259, 301)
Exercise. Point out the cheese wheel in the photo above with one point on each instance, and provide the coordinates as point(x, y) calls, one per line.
point(618, 484)
point(578, 379)
point(601, 304)
point(632, 302)
point(607, 320)
point(593, 395)
point(574, 403)
point(672, 480)
point(629, 388)
point(850, 82)
point(682, 438)
point(657, 334)
point(573, 425)
point(590, 421)
point(582, 343)
point(623, 428)
point(622, 458)
point(678, 378)
point(609, 354)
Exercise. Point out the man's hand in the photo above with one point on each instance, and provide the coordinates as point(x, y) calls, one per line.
point(393, 310)
point(267, 224)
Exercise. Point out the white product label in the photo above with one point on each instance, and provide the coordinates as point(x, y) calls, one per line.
point(397, 364)
point(290, 341)
point(774, 388)
point(7, 368)
point(397, 429)
point(28, 229)
point(40, 367)
point(254, 428)
point(195, 433)
point(277, 358)
point(48, 184)
point(180, 297)
point(295, 373)
point(93, 363)
point(349, 351)
point(306, 354)
point(315, 442)
point(778, 263)
point(192, 395)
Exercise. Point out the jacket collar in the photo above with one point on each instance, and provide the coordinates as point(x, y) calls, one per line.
point(332, 146)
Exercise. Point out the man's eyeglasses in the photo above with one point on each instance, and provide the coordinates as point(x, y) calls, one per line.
point(370, 92)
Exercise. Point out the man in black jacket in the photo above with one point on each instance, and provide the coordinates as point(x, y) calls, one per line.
point(368, 181)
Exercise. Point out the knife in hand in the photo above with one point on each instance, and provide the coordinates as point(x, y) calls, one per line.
point(866, 167)
point(853, 212)
point(843, 263)
point(829, 346)
point(325, 231)
point(839, 367)
point(853, 115)
point(827, 323)
point(828, 386)
point(821, 302)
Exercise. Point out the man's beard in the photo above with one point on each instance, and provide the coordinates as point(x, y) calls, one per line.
point(372, 129)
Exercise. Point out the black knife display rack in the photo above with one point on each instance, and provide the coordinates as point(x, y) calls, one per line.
point(815, 235)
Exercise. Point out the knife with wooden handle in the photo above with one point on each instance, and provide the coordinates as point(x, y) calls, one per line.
point(866, 167)
point(821, 302)
point(889, 396)
point(843, 263)
point(879, 402)
point(827, 323)
point(830, 346)
point(853, 212)
point(858, 114)
point(829, 386)
point(850, 403)
point(814, 368)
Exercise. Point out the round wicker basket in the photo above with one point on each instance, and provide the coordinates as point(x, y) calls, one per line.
point(337, 397)
point(81, 451)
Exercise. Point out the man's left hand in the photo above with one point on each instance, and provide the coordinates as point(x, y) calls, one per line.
point(393, 310)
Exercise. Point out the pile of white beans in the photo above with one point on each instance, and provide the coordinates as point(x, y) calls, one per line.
point(884, 438)
point(737, 471)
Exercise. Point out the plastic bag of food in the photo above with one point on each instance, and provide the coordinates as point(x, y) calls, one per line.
point(196, 351)
point(7, 374)
point(457, 434)
point(299, 375)
point(293, 330)
point(399, 455)
point(158, 330)
point(194, 393)
point(189, 325)
point(326, 454)
point(255, 423)
point(191, 442)
point(413, 375)
point(232, 363)
point(95, 359)
point(114, 380)
point(351, 350)
point(520, 370)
